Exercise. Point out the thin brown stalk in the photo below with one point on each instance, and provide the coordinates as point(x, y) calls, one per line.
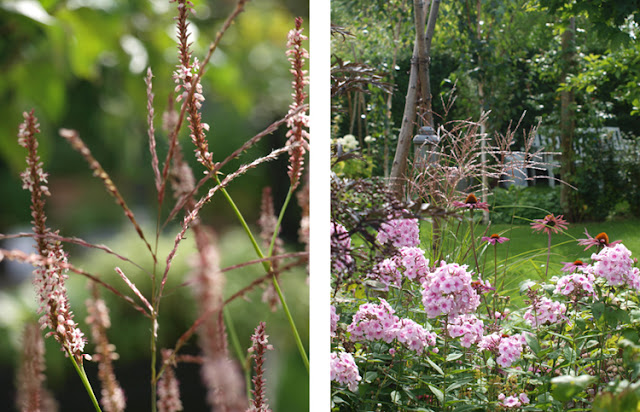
point(189, 218)
point(218, 166)
point(76, 241)
point(74, 139)
point(37, 260)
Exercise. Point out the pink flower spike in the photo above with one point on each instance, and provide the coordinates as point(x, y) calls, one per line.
point(134, 289)
point(471, 202)
point(549, 224)
point(495, 238)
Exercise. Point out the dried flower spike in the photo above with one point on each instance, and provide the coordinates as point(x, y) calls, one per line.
point(298, 123)
point(257, 350)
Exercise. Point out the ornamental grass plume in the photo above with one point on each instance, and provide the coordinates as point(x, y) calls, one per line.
point(257, 352)
point(32, 395)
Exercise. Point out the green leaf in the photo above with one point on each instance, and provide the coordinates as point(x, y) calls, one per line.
point(454, 356)
point(436, 367)
point(597, 309)
point(533, 343)
point(591, 88)
point(566, 387)
point(438, 393)
point(370, 376)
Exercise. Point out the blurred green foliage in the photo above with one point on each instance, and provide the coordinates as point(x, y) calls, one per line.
point(81, 64)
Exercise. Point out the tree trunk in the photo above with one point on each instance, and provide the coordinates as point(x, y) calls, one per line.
point(567, 122)
point(419, 62)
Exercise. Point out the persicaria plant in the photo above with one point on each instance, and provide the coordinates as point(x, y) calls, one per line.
point(231, 382)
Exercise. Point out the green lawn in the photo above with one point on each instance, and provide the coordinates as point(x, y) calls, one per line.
point(526, 252)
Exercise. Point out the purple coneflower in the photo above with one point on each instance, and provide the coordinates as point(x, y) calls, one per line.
point(495, 238)
point(573, 266)
point(601, 240)
point(471, 202)
point(550, 223)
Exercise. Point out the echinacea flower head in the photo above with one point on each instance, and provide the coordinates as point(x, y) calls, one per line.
point(575, 266)
point(495, 238)
point(550, 223)
point(471, 202)
point(600, 240)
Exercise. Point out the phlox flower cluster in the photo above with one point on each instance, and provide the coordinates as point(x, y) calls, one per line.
point(576, 285)
point(448, 291)
point(387, 273)
point(400, 233)
point(378, 322)
point(340, 248)
point(414, 336)
point(545, 311)
point(416, 266)
point(508, 348)
point(468, 327)
point(344, 370)
point(512, 401)
point(373, 322)
point(615, 265)
point(334, 321)
point(410, 261)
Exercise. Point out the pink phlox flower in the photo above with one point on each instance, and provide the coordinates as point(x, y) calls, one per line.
point(448, 291)
point(508, 348)
point(469, 327)
point(343, 369)
point(545, 311)
point(416, 265)
point(495, 238)
point(413, 335)
point(471, 202)
point(509, 401)
point(614, 263)
point(373, 322)
point(550, 224)
point(400, 233)
point(601, 239)
point(340, 248)
point(576, 284)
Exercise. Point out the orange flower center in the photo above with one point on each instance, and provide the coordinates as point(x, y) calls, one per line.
point(578, 263)
point(495, 236)
point(471, 198)
point(603, 238)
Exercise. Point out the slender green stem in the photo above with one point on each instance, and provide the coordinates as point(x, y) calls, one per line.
point(296, 336)
point(85, 381)
point(546, 273)
point(267, 267)
point(473, 243)
point(280, 217)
